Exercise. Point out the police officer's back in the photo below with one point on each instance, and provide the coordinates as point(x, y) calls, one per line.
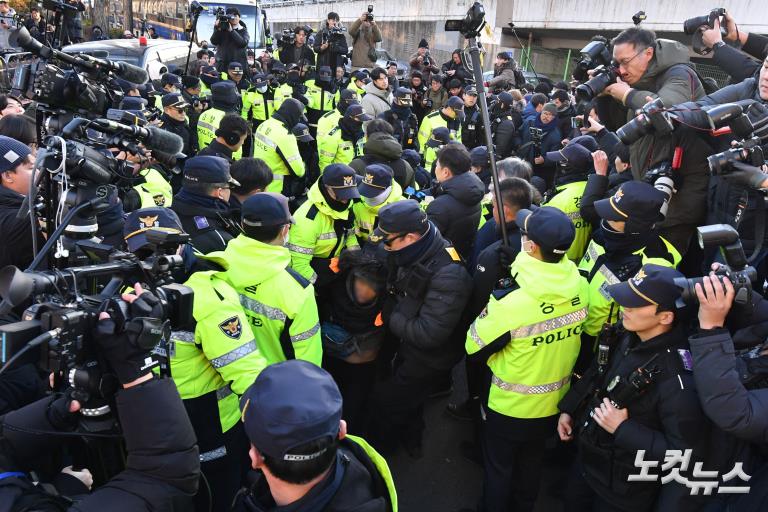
point(292, 414)
point(276, 145)
point(345, 142)
point(231, 135)
point(224, 100)
point(202, 203)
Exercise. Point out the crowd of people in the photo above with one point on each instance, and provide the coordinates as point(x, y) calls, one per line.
point(351, 244)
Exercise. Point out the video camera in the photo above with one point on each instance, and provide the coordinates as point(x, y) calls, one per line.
point(603, 76)
point(196, 8)
point(287, 38)
point(223, 18)
point(596, 53)
point(691, 27)
point(369, 16)
point(471, 25)
point(736, 268)
point(58, 6)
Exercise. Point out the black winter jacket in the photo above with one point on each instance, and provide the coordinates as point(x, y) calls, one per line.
point(382, 148)
point(230, 46)
point(209, 229)
point(429, 328)
point(16, 248)
point(456, 210)
point(162, 467)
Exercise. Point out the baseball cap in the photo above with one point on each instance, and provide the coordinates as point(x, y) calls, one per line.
point(587, 141)
point(301, 132)
point(235, 67)
point(342, 179)
point(123, 84)
point(290, 404)
point(12, 153)
point(574, 156)
point(377, 180)
point(471, 90)
point(402, 92)
point(412, 157)
point(175, 100)
point(170, 79)
point(505, 98)
point(140, 221)
point(189, 81)
point(549, 227)
point(357, 113)
point(635, 200)
point(360, 75)
point(400, 217)
point(439, 137)
point(266, 209)
point(479, 156)
point(260, 80)
point(208, 169)
point(455, 102)
point(133, 103)
point(225, 92)
point(652, 285)
point(208, 70)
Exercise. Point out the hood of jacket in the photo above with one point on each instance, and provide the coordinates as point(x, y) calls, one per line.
point(466, 188)
point(237, 261)
point(315, 196)
point(553, 283)
point(666, 54)
point(371, 88)
point(383, 145)
point(10, 199)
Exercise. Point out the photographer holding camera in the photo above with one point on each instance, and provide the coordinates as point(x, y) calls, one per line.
point(365, 34)
point(162, 466)
point(650, 68)
point(422, 62)
point(331, 44)
point(230, 36)
point(299, 50)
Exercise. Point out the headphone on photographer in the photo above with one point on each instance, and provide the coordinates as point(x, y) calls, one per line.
point(230, 138)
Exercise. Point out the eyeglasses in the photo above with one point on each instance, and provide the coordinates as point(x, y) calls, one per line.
point(624, 63)
point(389, 241)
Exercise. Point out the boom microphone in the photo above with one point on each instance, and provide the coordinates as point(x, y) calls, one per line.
point(153, 137)
point(21, 37)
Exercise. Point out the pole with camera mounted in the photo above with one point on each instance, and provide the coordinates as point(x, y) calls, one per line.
point(74, 177)
point(195, 9)
point(59, 7)
point(470, 28)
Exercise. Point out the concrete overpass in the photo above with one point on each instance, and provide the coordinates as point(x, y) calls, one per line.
point(551, 27)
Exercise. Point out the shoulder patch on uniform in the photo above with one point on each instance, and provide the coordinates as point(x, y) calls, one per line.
point(159, 199)
point(483, 313)
point(334, 130)
point(201, 222)
point(453, 254)
point(303, 281)
point(232, 327)
point(686, 358)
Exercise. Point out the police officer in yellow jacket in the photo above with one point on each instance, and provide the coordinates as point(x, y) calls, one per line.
point(345, 142)
point(624, 241)
point(574, 163)
point(449, 116)
point(278, 302)
point(325, 225)
point(258, 102)
point(357, 82)
point(211, 364)
point(330, 120)
point(224, 100)
point(322, 97)
point(530, 336)
point(275, 143)
point(377, 190)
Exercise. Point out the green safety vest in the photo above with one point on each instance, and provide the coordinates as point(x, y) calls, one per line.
point(278, 147)
point(221, 355)
point(282, 93)
point(366, 217)
point(602, 308)
point(532, 372)
point(155, 191)
point(319, 98)
point(279, 304)
point(352, 86)
point(328, 122)
point(381, 466)
point(428, 125)
point(259, 106)
point(207, 124)
point(568, 201)
point(314, 235)
point(332, 149)
point(485, 211)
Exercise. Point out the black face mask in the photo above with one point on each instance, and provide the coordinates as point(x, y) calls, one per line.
point(616, 242)
point(334, 204)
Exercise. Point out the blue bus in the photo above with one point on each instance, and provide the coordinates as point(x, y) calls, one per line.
point(171, 19)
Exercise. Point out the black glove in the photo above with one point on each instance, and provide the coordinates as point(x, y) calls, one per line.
point(58, 412)
point(746, 175)
point(506, 255)
point(389, 306)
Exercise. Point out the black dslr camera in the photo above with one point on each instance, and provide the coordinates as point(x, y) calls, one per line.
point(652, 118)
point(596, 53)
point(603, 76)
point(691, 27)
point(749, 149)
point(223, 18)
point(472, 23)
point(736, 269)
point(369, 16)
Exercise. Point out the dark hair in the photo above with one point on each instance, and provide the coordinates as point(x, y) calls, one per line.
point(539, 99)
point(622, 152)
point(263, 234)
point(366, 267)
point(515, 193)
point(232, 124)
point(378, 125)
point(561, 85)
point(455, 157)
point(200, 53)
point(549, 256)
point(4, 101)
point(543, 87)
point(252, 174)
point(301, 472)
point(561, 95)
point(233, 11)
point(19, 128)
point(377, 73)
point(299, 29)
point(638, 37)
point(333, 16)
